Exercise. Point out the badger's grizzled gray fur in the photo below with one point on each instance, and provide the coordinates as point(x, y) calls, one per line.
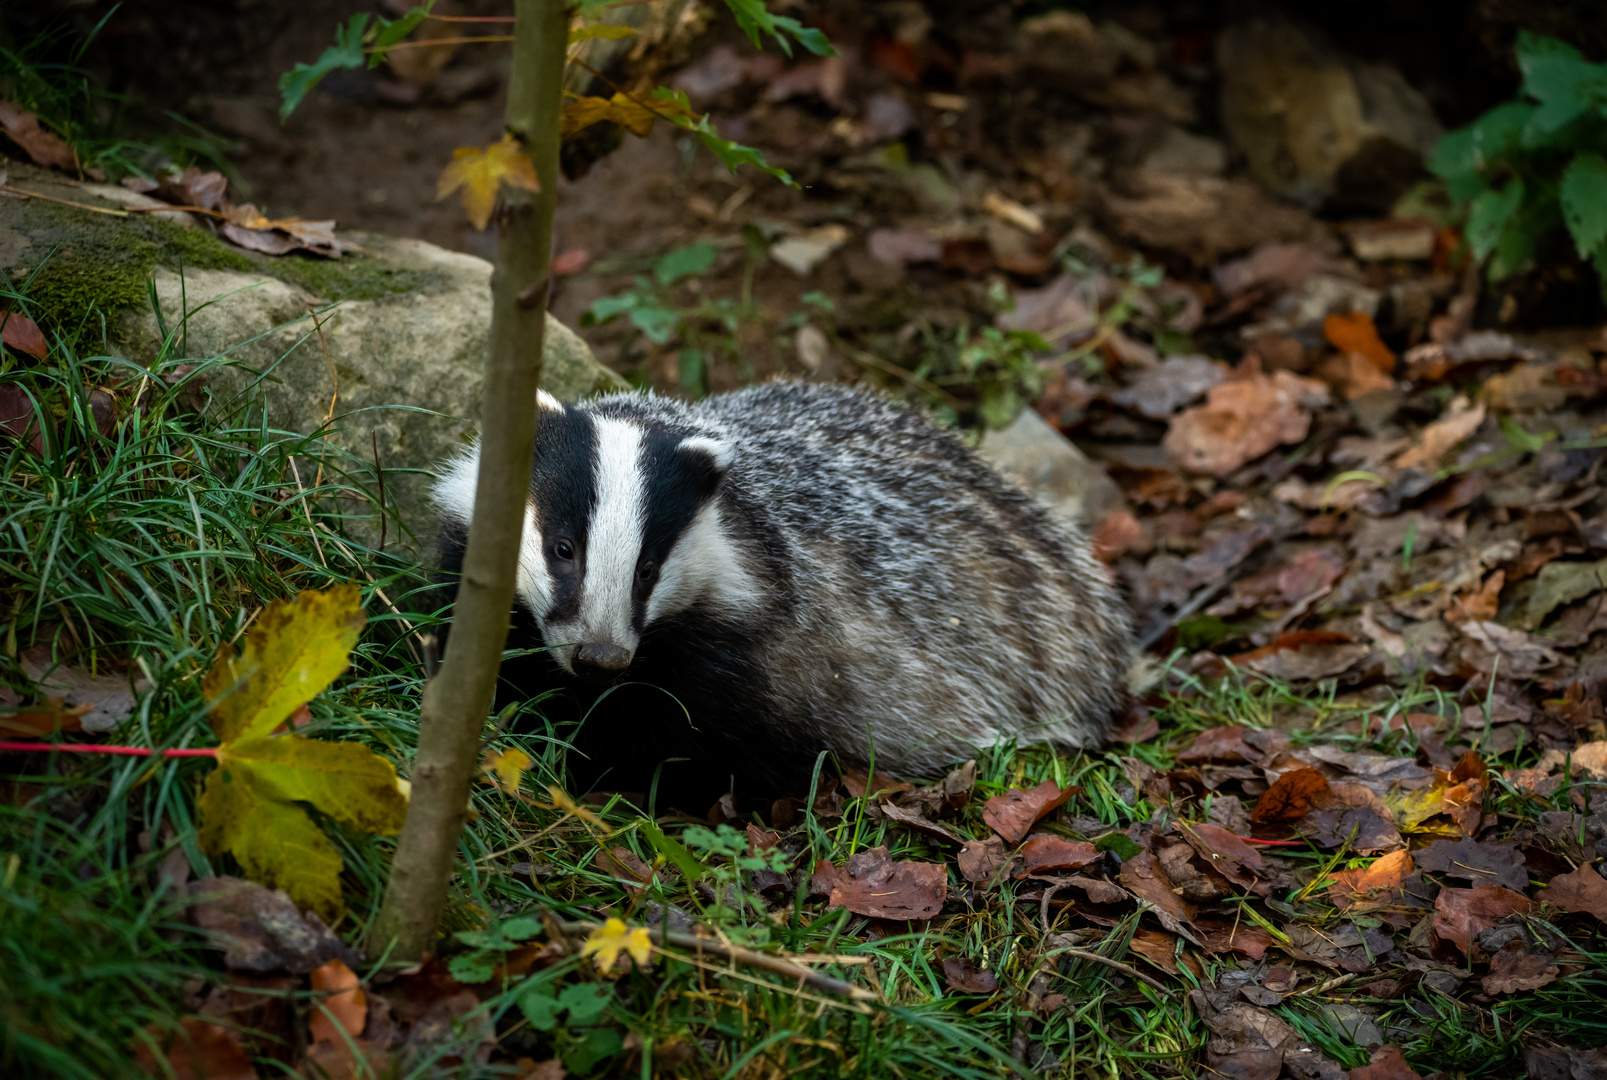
point(802, 568)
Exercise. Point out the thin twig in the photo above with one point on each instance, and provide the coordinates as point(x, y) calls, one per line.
point(779, 965)
point(312, 529)
point(1125, 969)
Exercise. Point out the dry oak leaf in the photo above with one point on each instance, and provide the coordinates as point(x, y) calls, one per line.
point(249, 805)
point(1290, 797)
point(1460, 915)
point(21, 334)
point(344, 1009)
point(1386, 1063)
point(1514, 968)
point(1438, 439)
point(481, 174)
point(1242, 420)
point(1013, 814)
point(45, 148)
point(1582, 890)
point(1144, 877)
point(871, 884)
point(198, 1050)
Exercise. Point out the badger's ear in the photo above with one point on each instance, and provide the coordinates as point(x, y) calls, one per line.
point(545, 400)
point(713, 457)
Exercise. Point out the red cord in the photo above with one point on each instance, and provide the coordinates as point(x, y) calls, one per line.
point(1275, 843)
point(130, 751)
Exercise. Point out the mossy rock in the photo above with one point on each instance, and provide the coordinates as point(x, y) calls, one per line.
point(384, 348)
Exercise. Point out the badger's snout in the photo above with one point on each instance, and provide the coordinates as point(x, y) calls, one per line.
point(600, 661)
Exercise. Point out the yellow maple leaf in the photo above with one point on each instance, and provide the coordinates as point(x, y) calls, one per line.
point(480, 173)
point(634, 114)
point(250, 806)
point(507, 767)
point(612, 938)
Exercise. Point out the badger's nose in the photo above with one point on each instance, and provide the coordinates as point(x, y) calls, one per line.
point(599, 661)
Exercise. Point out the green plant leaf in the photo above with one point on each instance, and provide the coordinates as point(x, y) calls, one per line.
point(345, 53)
point(1564, 82)
point(1583, 194)
point(539, 1007)
point(754, 20)
point(388, 32)
point(1464, 156)
point(1122, 844)
point(684, 262)
point(675, 851)
point(585, 1002)
point(599, 1044)
point(472, 967)
point(607, 307)
point(657, 323)
point(1488, 216)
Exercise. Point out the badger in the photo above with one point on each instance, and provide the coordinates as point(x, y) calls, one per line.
point(744, 582)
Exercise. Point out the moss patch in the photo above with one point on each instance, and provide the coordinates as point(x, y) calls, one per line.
point(76, 266)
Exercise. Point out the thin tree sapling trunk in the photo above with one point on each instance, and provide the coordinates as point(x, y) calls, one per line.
point(457, 700)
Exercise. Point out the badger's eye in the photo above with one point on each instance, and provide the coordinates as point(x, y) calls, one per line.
point(564, 550)
point(646, 573)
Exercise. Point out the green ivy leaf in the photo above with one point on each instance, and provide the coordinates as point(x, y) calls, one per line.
point(345, 53)
point(1583, 194)
point(684, 262)
point(1489, 214)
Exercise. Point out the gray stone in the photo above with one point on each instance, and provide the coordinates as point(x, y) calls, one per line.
point(404, 371)
point(1318, 126)
point(1047, 466)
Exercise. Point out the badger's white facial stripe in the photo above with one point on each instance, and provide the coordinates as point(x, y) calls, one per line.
point(705, 567)
point(533, 582)
point(454, 486)
point(614, 541)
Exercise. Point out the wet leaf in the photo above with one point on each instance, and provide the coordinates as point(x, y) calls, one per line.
point(1460, 915)
point(481, 173)
point(1013, 814)
point(870, 883)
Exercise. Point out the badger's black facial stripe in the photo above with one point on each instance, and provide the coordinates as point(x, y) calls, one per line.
point(563, 489)
point(678, 483)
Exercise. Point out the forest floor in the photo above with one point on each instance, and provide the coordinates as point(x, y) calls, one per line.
point(1352, 825)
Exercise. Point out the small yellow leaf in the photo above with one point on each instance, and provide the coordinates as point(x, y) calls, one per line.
point(561, 799)
point(292, 652)
point(612, 938)
point(507, 767)
point(481, 174)
point(609, 33)
point(635, 115)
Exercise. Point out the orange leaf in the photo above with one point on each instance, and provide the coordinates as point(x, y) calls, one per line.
point(1289, 797)
point(1355, 333)
point(199, 1050)
point(481, 174)
point(346, 1004)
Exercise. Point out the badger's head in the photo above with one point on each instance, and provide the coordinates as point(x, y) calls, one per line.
point(622, 530)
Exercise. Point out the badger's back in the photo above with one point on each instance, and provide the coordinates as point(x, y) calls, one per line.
point(921, 606)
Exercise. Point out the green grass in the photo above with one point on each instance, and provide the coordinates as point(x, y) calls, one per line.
point(152, 547)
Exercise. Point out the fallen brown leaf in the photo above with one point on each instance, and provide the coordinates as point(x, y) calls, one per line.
point(1289, 797)
point(1583, 890)
point(915, 821)
point(259, 929)
point(1386, 1064)
point(1354, 332)
point(1243, 419)
point(1460, 915)
point(1144, 877)
point(1481, 864)
point(198, 1050)
point(344, 1009)
point(1224, 851)
point(964, 976)
point(1045, 851)
point(21, 334)
point(870, 883)
point(1438, 439)
point(40, 145)
point(1514, 968)
point(980, 861)
point(1014, 813)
